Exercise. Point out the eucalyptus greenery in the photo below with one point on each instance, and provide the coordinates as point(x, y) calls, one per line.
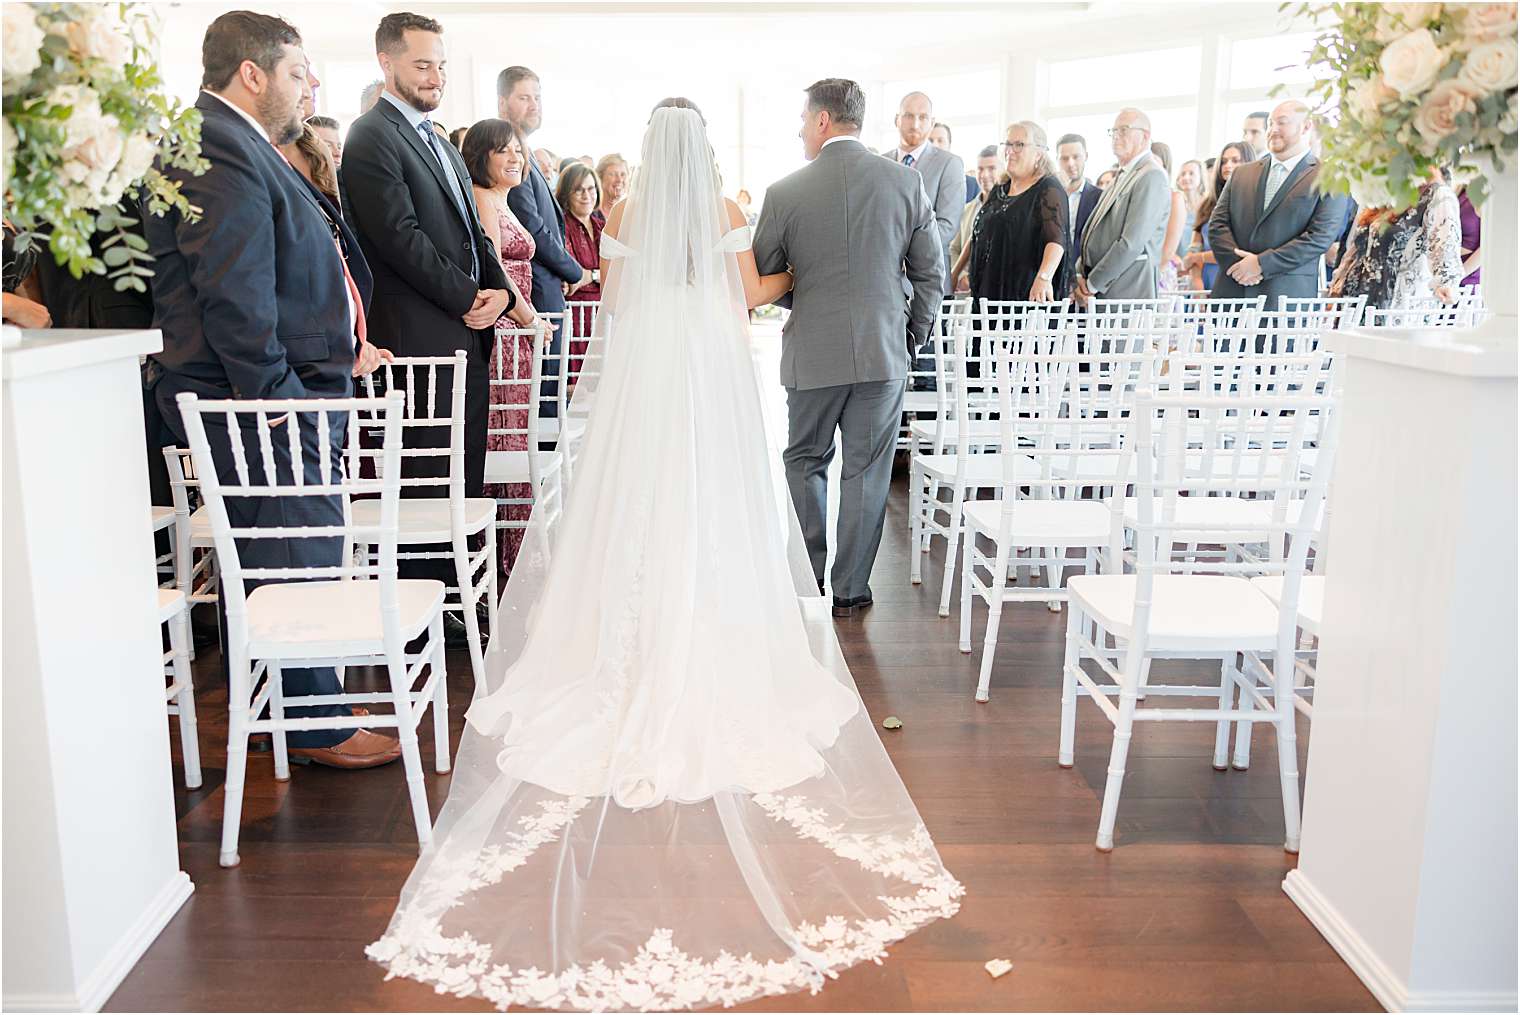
point(1405, 87)
point(86, 116)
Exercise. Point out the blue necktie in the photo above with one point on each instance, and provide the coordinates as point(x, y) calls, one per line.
point(426, 127)
point(907, 160)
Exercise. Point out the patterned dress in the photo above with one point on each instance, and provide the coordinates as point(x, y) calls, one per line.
point(1396, 263)
point(511, 359)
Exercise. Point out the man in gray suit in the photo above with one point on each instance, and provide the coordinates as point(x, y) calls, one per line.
point(1121, 247)
point(1270, 227)
point(857, 231)
point(943, 172)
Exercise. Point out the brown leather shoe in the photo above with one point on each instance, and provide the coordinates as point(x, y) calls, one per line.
point(362, 750)
point(260, 743)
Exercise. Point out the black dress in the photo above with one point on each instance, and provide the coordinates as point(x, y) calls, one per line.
point(1008, 241)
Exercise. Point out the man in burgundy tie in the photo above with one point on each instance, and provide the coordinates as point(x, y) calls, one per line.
point(256, 299)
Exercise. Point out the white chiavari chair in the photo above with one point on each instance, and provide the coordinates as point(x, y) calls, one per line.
point(924, 395)
point(434, 391)
point(174, 611)
point(517, 398)
point(935, 433)
point(161, 519)
point(1465, 312)
point(195, 572)
point(351, 613)
point(1171, 608)
point(1324, 313)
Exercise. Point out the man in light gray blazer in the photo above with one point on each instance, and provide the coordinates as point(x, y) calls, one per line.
point(1271, 227)
point(1121, 246)
point(943, 172)
point(856, 231)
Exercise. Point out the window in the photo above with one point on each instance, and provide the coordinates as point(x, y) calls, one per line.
point(1177, 127)
point(1276, 59)
point(1106, 78)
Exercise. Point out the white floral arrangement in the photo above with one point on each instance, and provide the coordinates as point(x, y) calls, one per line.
point(1409, 86)
point(85, 118)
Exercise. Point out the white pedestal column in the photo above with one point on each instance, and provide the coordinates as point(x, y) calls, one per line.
point(1408, 861)
point(91, 861)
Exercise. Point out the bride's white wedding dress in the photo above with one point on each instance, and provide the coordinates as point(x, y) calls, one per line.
point(669, 794)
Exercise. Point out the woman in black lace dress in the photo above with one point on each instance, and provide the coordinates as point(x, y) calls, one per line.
point(1018, 248)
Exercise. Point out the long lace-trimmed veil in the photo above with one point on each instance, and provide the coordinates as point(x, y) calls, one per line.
point(668, 794)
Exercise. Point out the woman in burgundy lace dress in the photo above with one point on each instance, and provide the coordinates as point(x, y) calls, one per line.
point(578, 194)
point(496, 156)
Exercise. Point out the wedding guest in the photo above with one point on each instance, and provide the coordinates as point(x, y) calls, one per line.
point(1472, 240)
point(612, 177)
point(1399, 259)
point(21, 306)
point(1190, 184)
point(1271, 225)
point(1121, 244)
point(327, 130)
point(941, 170)
point(440, 287)
point(310, 157)
point(370, 95)
point(988, 169)
point(1081, 196)
point(1199, 262)
point(497, 156)
point(1173, 243)
point(940, 136)
point(745, 203)
point(456, 138)
point(309, 97)
point(254, 301)
point(578, 196)
point(1106, 177)
point(587, 161)
point(564, 164)
point(548, 164)
point(556, 275)
point(1254, 130)
point(1019, 246)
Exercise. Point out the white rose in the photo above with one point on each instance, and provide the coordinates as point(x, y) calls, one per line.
point(1436, 119)
point(1396, 19)
point(84, 118)
point(1411, 64)
point(137, 157)
point(100, 36)
point(1368, 96)
point(20, 43)
point(1486, 22)
point(7, 154)
point(1371, 192)
point(1491, 67)
point(103, 149)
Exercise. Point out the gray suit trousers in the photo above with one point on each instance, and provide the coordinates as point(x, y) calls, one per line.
point(867, 416)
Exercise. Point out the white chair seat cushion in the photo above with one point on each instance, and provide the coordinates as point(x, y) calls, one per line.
point(982, 471)
point(426, 519)
point(1044, 522)
point(980, 429)
point(1311, 597)
point(920, 401)
point(298, 620)
point(512, 466)
point(170, 602)
point(200, 528)
point(1189, 612)
point(1247, 520)
point(163, 517)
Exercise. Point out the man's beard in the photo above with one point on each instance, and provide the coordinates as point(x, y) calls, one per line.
point(282, 125)
point(414, 98)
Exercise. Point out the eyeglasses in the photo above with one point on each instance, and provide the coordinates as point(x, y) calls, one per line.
point(1021, 146)
point(1116, 131)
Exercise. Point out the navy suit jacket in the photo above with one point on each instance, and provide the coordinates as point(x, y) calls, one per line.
point(250, 296)
point(1289, 236)
point(542, 216)
point(1085, 205)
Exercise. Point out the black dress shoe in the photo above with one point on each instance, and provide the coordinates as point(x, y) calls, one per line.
point(455, 634)
point(849, 607)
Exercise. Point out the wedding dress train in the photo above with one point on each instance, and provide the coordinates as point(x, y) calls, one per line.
point(668, 795)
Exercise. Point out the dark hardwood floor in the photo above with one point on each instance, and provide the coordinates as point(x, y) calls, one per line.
point(1187, 913)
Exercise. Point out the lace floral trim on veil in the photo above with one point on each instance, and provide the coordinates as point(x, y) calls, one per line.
point(661, 975)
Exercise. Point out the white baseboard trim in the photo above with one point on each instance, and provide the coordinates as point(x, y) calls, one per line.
point(1390, 992)
point(98, 987)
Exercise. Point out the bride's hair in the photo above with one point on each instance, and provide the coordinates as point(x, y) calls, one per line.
point(678, 102)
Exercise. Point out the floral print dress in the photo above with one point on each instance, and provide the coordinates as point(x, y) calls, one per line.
point(1398, 263)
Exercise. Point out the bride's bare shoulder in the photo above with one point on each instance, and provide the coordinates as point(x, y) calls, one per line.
point(615, 217)
point(735, 213)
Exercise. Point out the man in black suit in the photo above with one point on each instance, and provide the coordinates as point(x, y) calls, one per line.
point(255, 301)
point(1081, 196)
point(1271, 226)
point(439, 284)
point(556, 275)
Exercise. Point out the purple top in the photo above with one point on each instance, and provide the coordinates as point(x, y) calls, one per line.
point(1471, 232)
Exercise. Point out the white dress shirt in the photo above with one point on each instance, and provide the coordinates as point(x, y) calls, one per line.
point(839, 137)
point(917, 153)
point(1073, 201)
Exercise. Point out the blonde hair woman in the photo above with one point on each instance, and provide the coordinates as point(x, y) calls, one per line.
point(1018, 248)
point(1174, 245)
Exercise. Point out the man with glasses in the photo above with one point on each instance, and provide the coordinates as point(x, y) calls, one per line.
point(1121, 245)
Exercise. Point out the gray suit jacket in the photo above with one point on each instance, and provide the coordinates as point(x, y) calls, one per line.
point(1121, 245)
point(1290, 237)
point(944, 178)
point(852, 226)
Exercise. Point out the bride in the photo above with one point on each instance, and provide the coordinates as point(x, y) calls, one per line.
point(669, 794)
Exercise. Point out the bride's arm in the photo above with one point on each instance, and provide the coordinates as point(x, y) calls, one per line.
point(611, 270)
point(758, 289)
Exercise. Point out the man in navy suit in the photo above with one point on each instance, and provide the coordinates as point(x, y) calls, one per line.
point(1082, 196)
point(556, 275)
point(256, 300)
